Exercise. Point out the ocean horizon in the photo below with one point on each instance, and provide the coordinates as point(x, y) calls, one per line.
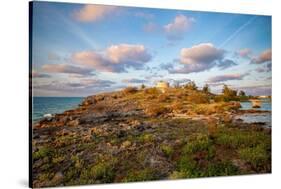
point(53, 105)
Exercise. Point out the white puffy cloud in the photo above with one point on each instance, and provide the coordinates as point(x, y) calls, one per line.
point(204, 52)
point(202, 57)
point(115, 58)
point(90, 13)
point(176, 29)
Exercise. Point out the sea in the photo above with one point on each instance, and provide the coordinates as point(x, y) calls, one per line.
point(266, 105)
point(53, 105)
point(265, 117)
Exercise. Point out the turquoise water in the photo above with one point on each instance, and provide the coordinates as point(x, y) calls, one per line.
point(257, 117)
point(266, 105)
point(53, 105)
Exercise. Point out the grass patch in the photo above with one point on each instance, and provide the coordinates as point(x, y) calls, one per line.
point(102, 172)
point(146, 137)
point(201, 143)
point(256, 156)
point(141, 175)
point(42, 152)
point(167, 150)
point(241, 139)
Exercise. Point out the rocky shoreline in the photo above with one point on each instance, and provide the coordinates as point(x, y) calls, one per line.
point(139, 135)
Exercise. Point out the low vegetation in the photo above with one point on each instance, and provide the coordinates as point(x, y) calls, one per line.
point(145, 134)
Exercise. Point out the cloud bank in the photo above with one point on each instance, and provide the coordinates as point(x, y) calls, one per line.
point(227, 77)
point(202, 57)
point(66, 68)
point(116, 58)
point(133, 80)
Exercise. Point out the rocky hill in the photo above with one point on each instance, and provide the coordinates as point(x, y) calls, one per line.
point(144, 134)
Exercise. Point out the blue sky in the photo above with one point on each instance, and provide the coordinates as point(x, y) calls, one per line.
point(80, 50)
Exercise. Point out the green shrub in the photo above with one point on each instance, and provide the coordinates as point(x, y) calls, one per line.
point(58, 159)
point(242, 139)
point(201, 143)
point(42, 152)
point(167, 150)
point(256, 156)
point(187, 165)
point(221, 169)
point(141, 175)
point(102, 172)
point(146, 137)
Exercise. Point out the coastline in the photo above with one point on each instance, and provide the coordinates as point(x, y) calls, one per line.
point(159, 135)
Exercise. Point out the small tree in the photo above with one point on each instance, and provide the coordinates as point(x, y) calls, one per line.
point(142, 86)
point(206, 88)
point(191, 85)
point(228, 92)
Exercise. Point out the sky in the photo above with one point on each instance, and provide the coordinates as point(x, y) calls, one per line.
point(83, 49)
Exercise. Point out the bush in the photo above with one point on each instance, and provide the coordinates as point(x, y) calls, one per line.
point(42, 152)
point(201, 143)
point(130, 90)
point(256, 156)
point(221, 169)
point(240, 139)
point(167, 150)
point(187, 165)
point(141, 175)
point(146, 137)
point(102, 171)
